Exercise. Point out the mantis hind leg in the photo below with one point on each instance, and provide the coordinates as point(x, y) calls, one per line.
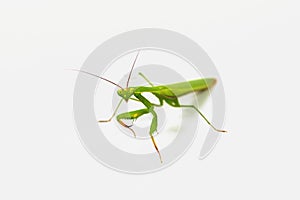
point(200, 113)
point(131, 115)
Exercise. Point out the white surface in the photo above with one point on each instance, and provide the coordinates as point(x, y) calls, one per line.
point(255, 45)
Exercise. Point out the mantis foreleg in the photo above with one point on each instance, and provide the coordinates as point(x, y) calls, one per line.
point(131, 115)
point(153, 126)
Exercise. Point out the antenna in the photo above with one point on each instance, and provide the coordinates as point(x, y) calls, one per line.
point(132, 68)
point(97, 77)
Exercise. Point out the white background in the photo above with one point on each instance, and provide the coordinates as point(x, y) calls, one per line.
point(254, 44)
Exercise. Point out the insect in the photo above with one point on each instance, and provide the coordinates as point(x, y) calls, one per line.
point(164, 93)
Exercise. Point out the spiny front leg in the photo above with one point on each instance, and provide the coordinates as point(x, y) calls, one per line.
point(153, 128)
point(131, 115)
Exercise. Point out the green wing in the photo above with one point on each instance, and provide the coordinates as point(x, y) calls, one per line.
point(179, 89)
point(199, 85)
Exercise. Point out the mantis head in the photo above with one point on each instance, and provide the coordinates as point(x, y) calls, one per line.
point(126, 93)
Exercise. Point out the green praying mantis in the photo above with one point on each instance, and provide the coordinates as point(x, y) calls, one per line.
point(164, 93)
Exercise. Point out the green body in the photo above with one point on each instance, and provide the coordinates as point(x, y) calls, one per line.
point(164, 93)
point(168, 93)
point(178, 89)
